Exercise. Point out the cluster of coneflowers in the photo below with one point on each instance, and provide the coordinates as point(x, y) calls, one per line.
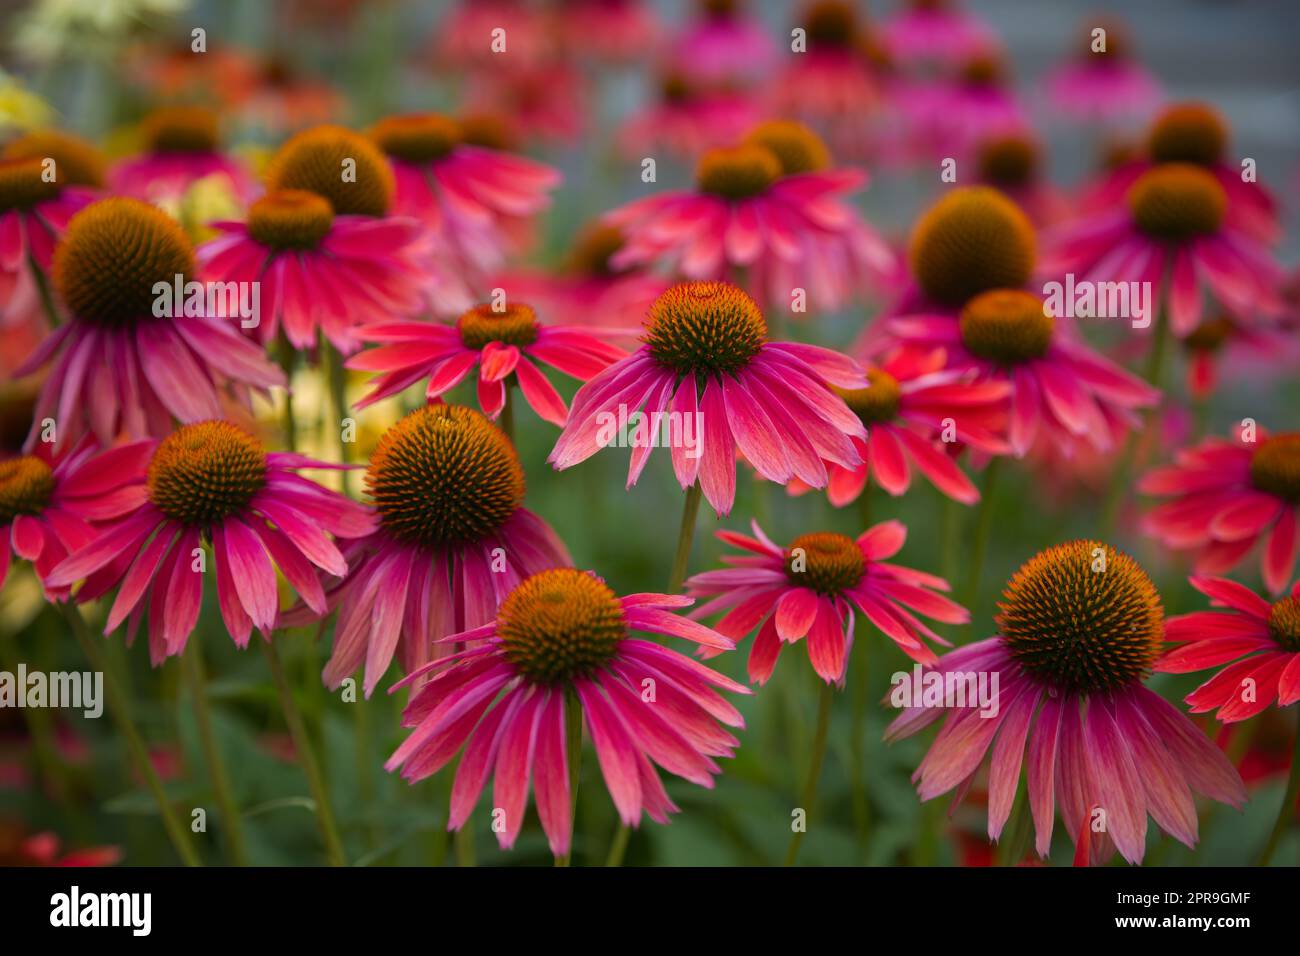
point(379, 250)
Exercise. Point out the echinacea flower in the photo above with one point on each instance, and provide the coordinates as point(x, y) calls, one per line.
point(561, 640)
point(1080, 627)
point(181, 146)
point(466, 196)
point(587, 289)
point(686, 119)
point(606, 31)
point(1173, 230)
point(1011, 162)
point(120, 367)
point(51, 505)
point(724, 46)
point(951, 115)
point(208, 486)
point(1061, 390)
point(810, 589)
point(320, 271)
point(934, 32)
point(453, 538)
point(1224, 339)
point(1103, 82)
point(1227, 496)
point(1258, 641)
point(830, 82)
point(1196, 134)
point(910, 399)
point(771, 207)
point(501, 342)
point(707, 365)
point(36, 202)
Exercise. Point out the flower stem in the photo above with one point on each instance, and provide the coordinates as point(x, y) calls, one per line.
point(120, 709)
point(619, 847)
point(685, 538)
point(192, 665)
point(820, 737)
point(288, 356)
point(464, 845)
point(858, 707)
point(573, 752)
point(332, 360)
point(43, 290)
point(983, 525)
point(306, 755)
point(508, 411)
point(1287, 813)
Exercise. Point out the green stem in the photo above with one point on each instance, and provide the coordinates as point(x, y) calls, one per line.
point(1287, 812)
point(288, 358)
point(53, 771)
point(983, 525)
point(820, 737)
point(676, 576)
point(306, 755)
point(119, 707)
point(508, 411)
point(685, 538)
point(336, 377)
point(572, 751)
point(858, 706)
point(464, 845)
point(43, 290)
point(232, 828)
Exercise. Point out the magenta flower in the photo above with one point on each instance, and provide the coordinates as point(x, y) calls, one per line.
point(502, 343)
point(1259, 642)
point(1075, 644)
point(1062, 391)
point(120, 368)
point(952, 115)
point(724, 46)
point(451, 541)
point(33, 216)
point(561, 639)
point(51, 506)
point(831, 82)
point(909, 402)
point(771, 207)
point(208, 487)
point(469, 198)
point(181, 146)
point(810, 590)
point(707, 367)
point(318, 272)
point(935, 32)
point(686, 120)
point(1228, 496)
point(1103, 84)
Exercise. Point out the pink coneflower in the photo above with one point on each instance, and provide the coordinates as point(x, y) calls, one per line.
point(830, 82)
point(51, 506)
point(934, 32)
point(1080, 627)
point(1012, 162)
point(119, 367)
point(558, 655)
point(181, 146)
point(1195, 134)
point(1174, 231)
point(686, 119)
point(1062, 391)
point(319, 272)
point(469, 198)
point(1225, 340)
point(465, 37)
point(34, 212)
point(1103, 82)
point(609, 31)
point(909, 402)
point(952, 115)
point(207, 484)
point(453, 539)
point(724, 46)
point(501, 343)
point(587, 289)
point(706, 358)
point(1259, 641)
point(1227, 496)
point(772, 207)
point(548, 103)
point(810, 589)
